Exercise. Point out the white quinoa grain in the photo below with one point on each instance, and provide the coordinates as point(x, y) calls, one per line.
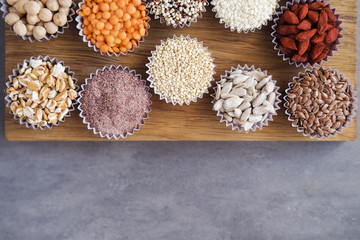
point(181, 69)
point(244, 15)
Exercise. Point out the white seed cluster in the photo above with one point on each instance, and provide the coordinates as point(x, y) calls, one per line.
point(181, 69)
point(176, 12)
point(246, 98)
point(244, 15)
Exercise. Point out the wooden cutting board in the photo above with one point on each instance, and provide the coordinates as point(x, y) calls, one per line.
point(197, 121)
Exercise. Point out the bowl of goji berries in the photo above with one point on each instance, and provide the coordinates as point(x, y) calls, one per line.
point(306, 32)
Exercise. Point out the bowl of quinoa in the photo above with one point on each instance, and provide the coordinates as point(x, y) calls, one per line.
point(114, 102)
point(180, 70)
point(177, 12)
point(245, 15)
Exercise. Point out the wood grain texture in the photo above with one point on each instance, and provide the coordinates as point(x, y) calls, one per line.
point(197, 121)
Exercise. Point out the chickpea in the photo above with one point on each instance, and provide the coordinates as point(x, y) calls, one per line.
point(32, 19)
point(45, 15)
point(65, 3)
point(20, 28)
point(19, 6)
point(51, 27)
point(53, 5)
point(60, 19)
point(43, 1)
point(40, 3)
point(11, 2)
point(13, 10)
point(64, 10)
point(32, 7)
point(39, 32)
point(11, 18)
point(29, 29)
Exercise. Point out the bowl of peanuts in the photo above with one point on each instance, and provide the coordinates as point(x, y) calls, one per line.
point(113, 27)
point(41, 92)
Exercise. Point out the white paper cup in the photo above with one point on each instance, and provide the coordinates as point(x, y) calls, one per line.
point(16, 73)
point(153, 85)
point(264, 122)
point(188, 24)
point(301, 129)
point(288, 5)
point(5, 9)
point(79, 22)
point(88, 124)
point(232, 29)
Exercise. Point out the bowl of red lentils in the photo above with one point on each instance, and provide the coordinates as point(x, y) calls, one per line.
point(113, 27)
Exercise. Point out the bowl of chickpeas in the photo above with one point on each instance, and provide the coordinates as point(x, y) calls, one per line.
point(113, 27)
point(38, 20)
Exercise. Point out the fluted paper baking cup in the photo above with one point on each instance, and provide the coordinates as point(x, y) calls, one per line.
point(5, 9)
point(16, 73)
point(79, 22)
point(232, 28)
point(260, 124)
point(332, 49)
point(175, 25)
point(300, 129)
point(153, 85)
point(88, 124)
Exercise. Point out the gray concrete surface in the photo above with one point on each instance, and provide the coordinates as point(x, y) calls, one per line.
point(178, 191)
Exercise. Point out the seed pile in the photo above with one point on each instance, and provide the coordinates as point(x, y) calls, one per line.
point(42, 93)
point(306, 32)
point(114, 26)
point(37, 18)
point(181, 69)
point(244, 15)
point(176, 12)
point(246, 98)
point(114, 102)
point(320, 102)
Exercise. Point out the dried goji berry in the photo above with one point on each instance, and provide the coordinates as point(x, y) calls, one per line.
point(303, 47)
point(322, 22)
point(332, 35)
point(294, 7)
point(318, 38)
point(298, 58)
point(305, 25)
point(332, 18)
point(303, 11)
point(286, 51)
point(287, 30)
point(306, 35)
point(290, 17)
point(288, 43)
point(328, 27)
point(317, 50)
point(316, 6)
point(313, 15)
point(322, 56)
